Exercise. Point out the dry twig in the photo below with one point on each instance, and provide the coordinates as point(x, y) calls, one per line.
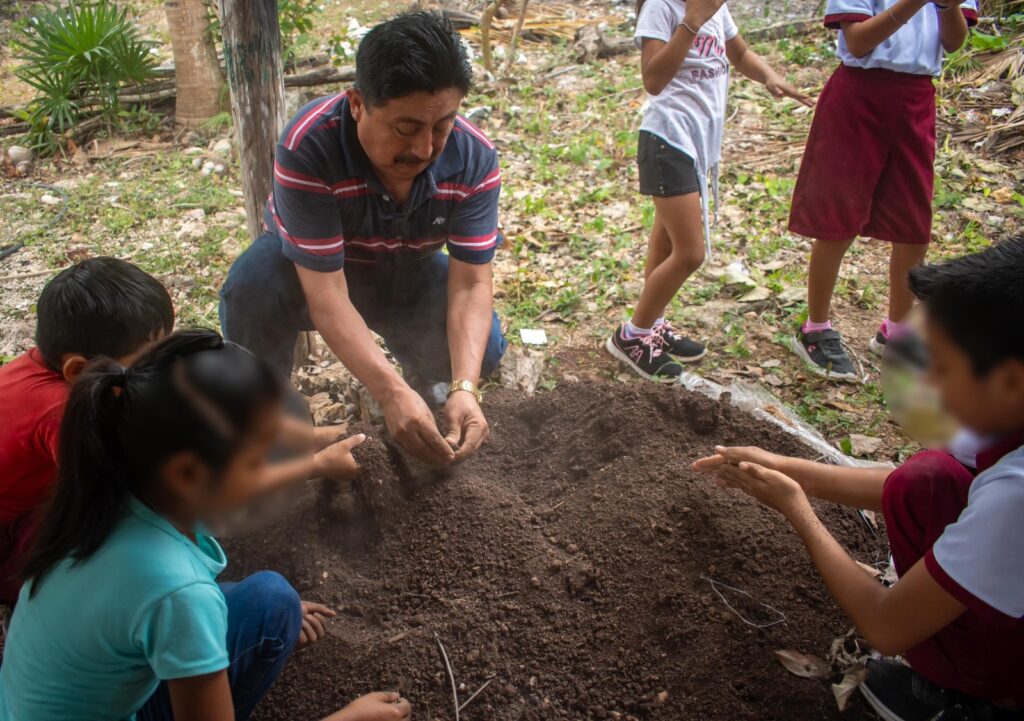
point(451, 675)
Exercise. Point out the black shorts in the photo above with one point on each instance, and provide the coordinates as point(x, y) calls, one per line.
point(664, 169)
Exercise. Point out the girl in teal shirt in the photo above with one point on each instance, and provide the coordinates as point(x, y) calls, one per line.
point(121, 616)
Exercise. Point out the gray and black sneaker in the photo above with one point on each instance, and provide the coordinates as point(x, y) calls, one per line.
point(897, 693)
point(889, 690)
point(645, 356)
point(824, 354)
point(679, 347)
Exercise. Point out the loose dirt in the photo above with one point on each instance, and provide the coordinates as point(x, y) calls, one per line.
point(571, 561)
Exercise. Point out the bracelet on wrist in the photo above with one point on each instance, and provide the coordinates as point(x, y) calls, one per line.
point(894, 18)
point(689, 28)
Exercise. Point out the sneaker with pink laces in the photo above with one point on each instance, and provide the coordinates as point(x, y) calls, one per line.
point(645, 356)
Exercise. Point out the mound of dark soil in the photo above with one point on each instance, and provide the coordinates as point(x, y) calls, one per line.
point(572, 561)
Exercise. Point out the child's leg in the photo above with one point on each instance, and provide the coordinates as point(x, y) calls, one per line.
point(658, 248)
point(264, 622)
point(681, 218)
point(904, 257)
point(826, 259)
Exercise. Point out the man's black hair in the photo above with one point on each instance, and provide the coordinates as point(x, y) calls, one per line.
point(413, 52)
point(100, 307)
point(978, 300)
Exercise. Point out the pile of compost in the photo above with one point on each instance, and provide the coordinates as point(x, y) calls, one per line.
point(576, 560)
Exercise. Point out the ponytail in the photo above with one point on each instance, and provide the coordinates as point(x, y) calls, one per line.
point(190, 392)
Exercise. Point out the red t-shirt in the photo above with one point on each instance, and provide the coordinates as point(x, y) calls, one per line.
point(32, 398)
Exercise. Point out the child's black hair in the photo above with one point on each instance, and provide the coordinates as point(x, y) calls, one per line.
point(190, 392)
point(101, 306)
point(978, 300)
point(413, 52)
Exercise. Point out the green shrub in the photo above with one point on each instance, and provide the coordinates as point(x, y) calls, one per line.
point(78, 57)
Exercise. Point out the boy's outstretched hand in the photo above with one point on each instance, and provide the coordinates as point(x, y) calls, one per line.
point(779, 88)
point(379, 706)
point(772, 488)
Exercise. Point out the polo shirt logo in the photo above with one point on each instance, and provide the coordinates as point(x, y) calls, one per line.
point(440, 220)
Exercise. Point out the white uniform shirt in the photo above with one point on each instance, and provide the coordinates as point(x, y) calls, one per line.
point(915, 48)
point(983, 551)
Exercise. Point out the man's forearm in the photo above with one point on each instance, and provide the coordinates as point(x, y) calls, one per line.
point(470, 312)
point(346, 333)
point(853, 487)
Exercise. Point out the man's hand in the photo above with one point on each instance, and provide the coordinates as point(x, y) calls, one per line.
point(467, 427)
point(773, 489)
point(779, 88)
point(412, 425)
point(314, 623)
point(380, 706)
point(337, 462)
point(699, 12)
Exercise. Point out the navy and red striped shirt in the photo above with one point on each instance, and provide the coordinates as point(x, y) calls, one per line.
point(329, 208)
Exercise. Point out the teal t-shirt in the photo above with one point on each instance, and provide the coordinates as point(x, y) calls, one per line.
point(99, 636)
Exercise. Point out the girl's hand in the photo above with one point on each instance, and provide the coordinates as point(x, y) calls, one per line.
point(337, 462)
point(773, 489)
point(325, 436)
point(779, 88)
point(380, 706)
point(699, 12)
point(734, 456)
point(314, 623)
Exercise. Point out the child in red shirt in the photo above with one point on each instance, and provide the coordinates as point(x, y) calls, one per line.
point(101, 306)
point(954, 519)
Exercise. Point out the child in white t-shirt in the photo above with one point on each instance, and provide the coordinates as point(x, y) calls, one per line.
point(868, 169)
point(686, 51)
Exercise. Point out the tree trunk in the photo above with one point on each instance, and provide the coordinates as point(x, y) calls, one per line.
point(252, 57)
point(200, 84)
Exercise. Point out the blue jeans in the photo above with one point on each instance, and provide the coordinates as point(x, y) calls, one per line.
point(264, 622)
point(403, 300)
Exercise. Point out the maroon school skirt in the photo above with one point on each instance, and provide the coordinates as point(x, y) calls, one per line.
point(869, 165)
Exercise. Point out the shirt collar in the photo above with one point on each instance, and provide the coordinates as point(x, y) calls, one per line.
point(995, 452)
point(205, 547)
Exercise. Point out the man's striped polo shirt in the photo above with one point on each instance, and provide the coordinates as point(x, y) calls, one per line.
point(329, 208)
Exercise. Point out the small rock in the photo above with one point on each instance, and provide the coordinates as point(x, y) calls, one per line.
point(862, 446)
point(222, 147)
point(18, 154)
point(572, 548)
point(197, 163)
point(48, 199)
point(196, 214)
point(191, 229)
point(662, 697)
point(194, 151)
point(23, 169)
point(535, 582)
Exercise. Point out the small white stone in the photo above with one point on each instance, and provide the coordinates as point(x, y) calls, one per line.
point(18, 154)
point(50, 200)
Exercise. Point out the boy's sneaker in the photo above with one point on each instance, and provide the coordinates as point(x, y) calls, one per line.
point(889, 690)
point(645, 356)
point(823, 352)
point(679, 347)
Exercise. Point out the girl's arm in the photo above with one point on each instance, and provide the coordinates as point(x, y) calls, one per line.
point(952, 27)
point(853, 487)
point(863, 37)
point(660, 61)
point(208, 698)
point(893, 620)
point(754, 67)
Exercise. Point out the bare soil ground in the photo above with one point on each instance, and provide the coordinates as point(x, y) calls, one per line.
point(571, 561)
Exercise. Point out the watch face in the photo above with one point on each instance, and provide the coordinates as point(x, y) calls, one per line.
point(914, 404)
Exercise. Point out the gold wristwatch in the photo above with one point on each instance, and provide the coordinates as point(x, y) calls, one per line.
point(468, 386)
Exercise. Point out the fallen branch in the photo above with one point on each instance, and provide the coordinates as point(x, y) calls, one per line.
point(451, 675)
point(591, 44)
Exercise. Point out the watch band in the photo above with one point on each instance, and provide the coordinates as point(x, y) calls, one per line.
point(463, 385)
